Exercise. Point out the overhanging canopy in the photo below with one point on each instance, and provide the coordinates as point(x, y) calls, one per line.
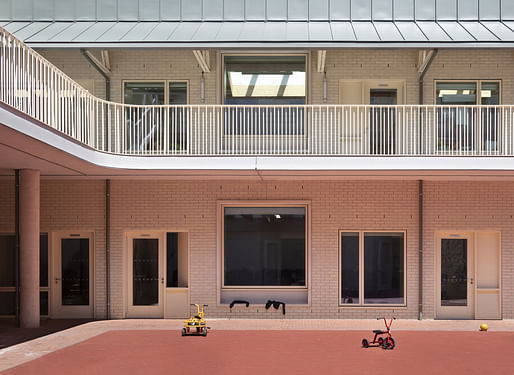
point(106, 34)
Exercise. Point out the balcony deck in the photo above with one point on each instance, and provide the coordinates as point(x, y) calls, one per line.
point(33, 86)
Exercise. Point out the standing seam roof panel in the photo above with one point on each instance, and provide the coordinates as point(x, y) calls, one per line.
point(50, 32)
point(94, 32)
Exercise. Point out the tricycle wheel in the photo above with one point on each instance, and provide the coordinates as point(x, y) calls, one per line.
point(365, 343)
point(389, 343)
point(380, 341)
point(204, 331)
point(183, 331)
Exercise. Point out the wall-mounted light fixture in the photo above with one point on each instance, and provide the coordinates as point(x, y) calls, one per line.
point(324, 87)
point(202, 89)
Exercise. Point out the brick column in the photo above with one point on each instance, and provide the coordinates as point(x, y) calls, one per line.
point(29, 248)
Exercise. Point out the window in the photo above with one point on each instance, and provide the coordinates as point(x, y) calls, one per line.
point(468, 128)
point(7, 274)
point(372, 268)
point(145, 130)
point(268, 81)
point(264, 246)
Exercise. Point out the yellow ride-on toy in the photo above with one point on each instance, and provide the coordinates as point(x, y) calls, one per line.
point(196, 325)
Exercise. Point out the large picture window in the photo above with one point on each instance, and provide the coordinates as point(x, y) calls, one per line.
point(264, 246)
point(7, 274)
point(468, 128)
point(372, 268)
point(268, 81)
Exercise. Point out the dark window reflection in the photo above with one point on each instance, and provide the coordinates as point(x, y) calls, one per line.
point(43, 260)
point(350, 268)
point(145, 287)
point(454, 271)
point(172, 260)
point(7, 303)
point(7, 260)
point(264, 246)
point(43, 303)
point(75, 271)
point(383, 268)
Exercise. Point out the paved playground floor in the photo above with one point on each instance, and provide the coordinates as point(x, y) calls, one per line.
point(290, 347)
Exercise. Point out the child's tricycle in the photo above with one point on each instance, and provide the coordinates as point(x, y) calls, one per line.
point(196, 325)
point(382, 339)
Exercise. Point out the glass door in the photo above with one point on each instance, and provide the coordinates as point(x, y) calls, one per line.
point(73, 276)
point(145, 276)
point(455, 277)
point(383, 120)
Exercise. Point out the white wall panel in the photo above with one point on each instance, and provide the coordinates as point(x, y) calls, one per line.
point(65, 11)
point(85, 10)
point(298, 10)
point(170, 10)
point(361, 10)
point(5, 9)
point(508, 10)
point(340, 10)
point(382, 10)
point(318, 10)
point(425, 10)
point(43, 10)
point(404, 10)
point(106, 10)
point(468, 9)
point(21, 10)
point(490, 9)
point(276, 9)
point(446, 10)
point(255, 10)
point(149, 10)
point(128, 10)
point(213, 10)
point(234, 10)
point(191, 10)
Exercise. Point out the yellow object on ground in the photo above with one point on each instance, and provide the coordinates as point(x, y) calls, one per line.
point(484, 327)
point(196, 324)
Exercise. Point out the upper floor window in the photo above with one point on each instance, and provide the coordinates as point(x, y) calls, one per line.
point(265, 79)
point(463, 127)
point(145, 128)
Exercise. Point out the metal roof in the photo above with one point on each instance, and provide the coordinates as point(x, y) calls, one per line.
point(262, 34)
point(256, 10)
point(260, 23)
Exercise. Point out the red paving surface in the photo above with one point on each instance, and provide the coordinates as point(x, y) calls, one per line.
point(279, 352)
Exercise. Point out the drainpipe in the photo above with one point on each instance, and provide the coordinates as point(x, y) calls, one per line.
point(17, 243)
point(420, 209)
point(421, 102)
point(107, 247)
point(107, 87)
point(422, 76)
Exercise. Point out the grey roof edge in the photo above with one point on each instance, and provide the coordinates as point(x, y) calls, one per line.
point(264, 44)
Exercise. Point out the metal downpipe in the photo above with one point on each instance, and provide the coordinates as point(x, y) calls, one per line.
point(17, 243)
point(420, 255)
point(107, 248)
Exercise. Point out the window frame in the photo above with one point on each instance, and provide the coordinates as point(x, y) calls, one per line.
point(166, 88)
point(478, 82)
point(47, 289)
point(221, 242)
point(221, 75)
point(361, 304)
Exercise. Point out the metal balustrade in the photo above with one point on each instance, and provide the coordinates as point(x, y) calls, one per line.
point(32, 85)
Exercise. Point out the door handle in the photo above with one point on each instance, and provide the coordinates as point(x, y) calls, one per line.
point(471, 281)
point(162, 280)
point(57, 279)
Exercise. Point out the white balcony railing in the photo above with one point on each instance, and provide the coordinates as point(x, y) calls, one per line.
point(32, 85)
